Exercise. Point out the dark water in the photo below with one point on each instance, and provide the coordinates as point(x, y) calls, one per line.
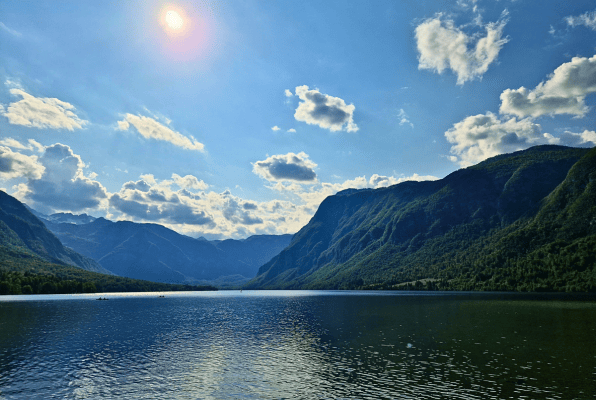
point(297, 345)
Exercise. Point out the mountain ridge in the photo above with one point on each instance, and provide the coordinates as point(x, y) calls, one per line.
point(21, 229)
point(382, 237)
point(154, 252)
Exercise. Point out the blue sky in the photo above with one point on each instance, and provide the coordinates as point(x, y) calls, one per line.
point(236, 118)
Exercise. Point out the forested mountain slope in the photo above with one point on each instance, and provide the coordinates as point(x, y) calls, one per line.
point(520, 221)
point(23, 232)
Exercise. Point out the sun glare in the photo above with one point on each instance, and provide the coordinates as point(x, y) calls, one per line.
point(174, 20)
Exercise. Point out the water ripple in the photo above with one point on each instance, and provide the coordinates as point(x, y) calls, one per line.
point(254, 346)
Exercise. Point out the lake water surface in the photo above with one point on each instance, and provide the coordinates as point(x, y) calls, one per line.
point(297, 345)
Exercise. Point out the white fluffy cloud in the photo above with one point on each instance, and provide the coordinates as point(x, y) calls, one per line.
point(17, 165)
point(62, 186)
point(575, 139)
point(211, 214)
point(42, 112)
point(482, 136)
point(326, 111)
point(152, 129)
point(147, 200)
point(442, 45)
point(587, 19)
point(287, 167)
point(189, 182)
point(563, 93)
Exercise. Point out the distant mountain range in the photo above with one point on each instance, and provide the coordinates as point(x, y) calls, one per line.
point(64, 217)
point(155, 253)
point(23, 234)
point(521, 221)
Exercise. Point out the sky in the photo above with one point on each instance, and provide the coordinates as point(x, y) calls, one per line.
point(225, 119)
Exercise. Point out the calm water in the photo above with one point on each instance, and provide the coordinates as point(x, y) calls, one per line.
point(297, 345)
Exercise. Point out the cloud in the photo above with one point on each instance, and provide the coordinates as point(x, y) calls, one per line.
point(403, 118)
point(63, 186)
point(288, 93)
point(287, 167)
point(275, 128)
point(17, 165)
point(573, 139)
point(209, 214)
point(292, 130)
point(442, 45)
point(312, 196)
point(482, 136)
point(239, 214)
point(563, 93)
point(189, 182)
point(140, 185)
point(326, 111)
point(42, 112)
point(146, 210)
point(149, 200)
point(152, 129)
point(32, 146)
point(587, 19)
point(11, 31)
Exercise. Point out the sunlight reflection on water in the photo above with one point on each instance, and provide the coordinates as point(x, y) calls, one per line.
point(265, 345)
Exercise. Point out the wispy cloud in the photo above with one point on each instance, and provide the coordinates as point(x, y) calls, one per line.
point(42, 112)
point(9, 30)
point(32, 145)
point(403, 118)
point(587, 19)
point(152, 129)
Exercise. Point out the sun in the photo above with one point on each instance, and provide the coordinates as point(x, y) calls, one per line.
point(174, 20)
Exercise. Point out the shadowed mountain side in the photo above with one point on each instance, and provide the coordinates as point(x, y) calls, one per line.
point(19, 228)
point(156, 253)
point(480, 228)
point(253, 251)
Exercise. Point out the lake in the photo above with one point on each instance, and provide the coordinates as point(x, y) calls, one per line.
point(298, 345)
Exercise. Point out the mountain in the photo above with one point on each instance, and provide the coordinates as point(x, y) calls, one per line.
point(70, 218)
point(521, 221)
point(253, 251)
point(155, 253)
point(33, 261)
point(23, 233)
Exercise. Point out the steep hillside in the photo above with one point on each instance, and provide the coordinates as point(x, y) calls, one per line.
point(22, 231)
point(156, 253)
point(521, 221)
